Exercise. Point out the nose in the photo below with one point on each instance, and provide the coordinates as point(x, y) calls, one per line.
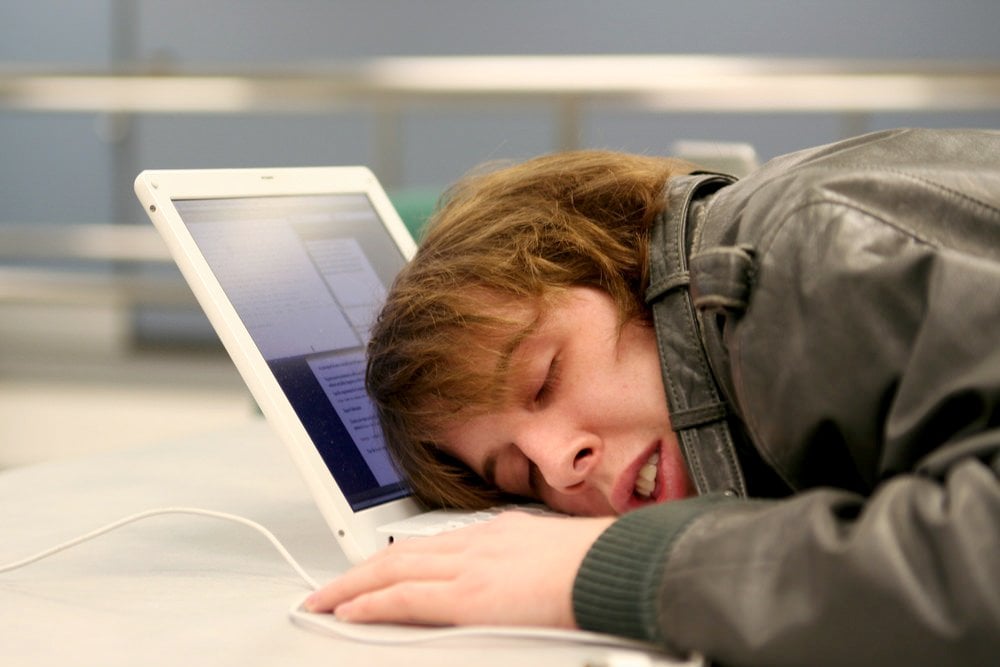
point(565, 460)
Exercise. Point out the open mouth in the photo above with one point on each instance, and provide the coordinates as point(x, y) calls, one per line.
point(645, 482)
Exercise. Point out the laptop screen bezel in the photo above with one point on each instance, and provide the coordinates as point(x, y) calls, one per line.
point(158, 190)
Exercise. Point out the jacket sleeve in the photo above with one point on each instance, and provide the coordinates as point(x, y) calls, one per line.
point(866, 369)
point(909, 576)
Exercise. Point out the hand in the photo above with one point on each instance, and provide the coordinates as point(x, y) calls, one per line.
point(517, 569)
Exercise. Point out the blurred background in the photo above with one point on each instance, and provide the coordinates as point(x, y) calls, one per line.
point(101, 344)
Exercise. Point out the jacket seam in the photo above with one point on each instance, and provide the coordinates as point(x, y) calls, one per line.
point(764, 448)
point(918, 179)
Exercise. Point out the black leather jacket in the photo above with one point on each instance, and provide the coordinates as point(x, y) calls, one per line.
point(829, 330)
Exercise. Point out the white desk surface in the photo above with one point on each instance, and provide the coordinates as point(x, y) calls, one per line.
point(183, 589)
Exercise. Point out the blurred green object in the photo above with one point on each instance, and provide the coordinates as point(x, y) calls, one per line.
point(415, 207)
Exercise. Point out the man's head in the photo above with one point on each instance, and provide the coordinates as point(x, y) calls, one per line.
point(501, 247)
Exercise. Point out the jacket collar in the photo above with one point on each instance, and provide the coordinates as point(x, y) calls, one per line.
point(698, 410)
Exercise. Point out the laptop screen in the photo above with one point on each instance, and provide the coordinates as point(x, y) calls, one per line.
point(307, 275)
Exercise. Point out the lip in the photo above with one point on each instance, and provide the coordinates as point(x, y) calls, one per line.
point(623, 498)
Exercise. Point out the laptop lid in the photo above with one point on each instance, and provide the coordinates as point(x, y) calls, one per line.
point(291, 266)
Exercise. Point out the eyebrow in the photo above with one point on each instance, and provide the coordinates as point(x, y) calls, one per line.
point(508, 351)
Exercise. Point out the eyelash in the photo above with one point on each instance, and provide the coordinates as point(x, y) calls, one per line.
point(550, 383)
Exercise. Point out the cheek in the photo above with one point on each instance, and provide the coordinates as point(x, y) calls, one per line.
point(646, 365)
point(637, 380)
point(465, 441)
point(587, 504)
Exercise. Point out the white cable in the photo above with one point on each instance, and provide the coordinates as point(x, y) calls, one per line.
point(373, 634)
point(378, 633)
point(621, 649)
point(166, 510)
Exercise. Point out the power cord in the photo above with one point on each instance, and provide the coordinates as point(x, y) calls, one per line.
point(156, 512)
point(630, 653)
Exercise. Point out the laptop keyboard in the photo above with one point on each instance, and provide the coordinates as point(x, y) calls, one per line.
point(440, 521)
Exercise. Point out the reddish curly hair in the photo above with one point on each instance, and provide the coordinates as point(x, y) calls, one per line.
point(502, 244)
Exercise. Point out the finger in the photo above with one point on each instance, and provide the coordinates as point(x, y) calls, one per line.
point(381, 573)
point(410, 602)
point(415, 559)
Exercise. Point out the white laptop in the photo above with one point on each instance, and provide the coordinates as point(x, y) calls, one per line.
point(291, 267)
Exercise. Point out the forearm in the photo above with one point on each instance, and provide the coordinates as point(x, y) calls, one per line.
point(910, 576)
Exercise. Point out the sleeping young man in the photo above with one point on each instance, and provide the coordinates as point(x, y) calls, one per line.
point(773, 403)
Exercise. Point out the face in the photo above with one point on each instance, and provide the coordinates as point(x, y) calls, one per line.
point(587, 430)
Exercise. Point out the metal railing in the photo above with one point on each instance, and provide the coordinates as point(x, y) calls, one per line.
point(87, 264)
point(566, 85)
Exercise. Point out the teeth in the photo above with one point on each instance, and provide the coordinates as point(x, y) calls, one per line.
point(646, 481)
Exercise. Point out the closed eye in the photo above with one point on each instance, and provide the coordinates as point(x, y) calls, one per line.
point(550, 383)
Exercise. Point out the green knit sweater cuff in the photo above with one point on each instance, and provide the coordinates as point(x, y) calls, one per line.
point(616, 590)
